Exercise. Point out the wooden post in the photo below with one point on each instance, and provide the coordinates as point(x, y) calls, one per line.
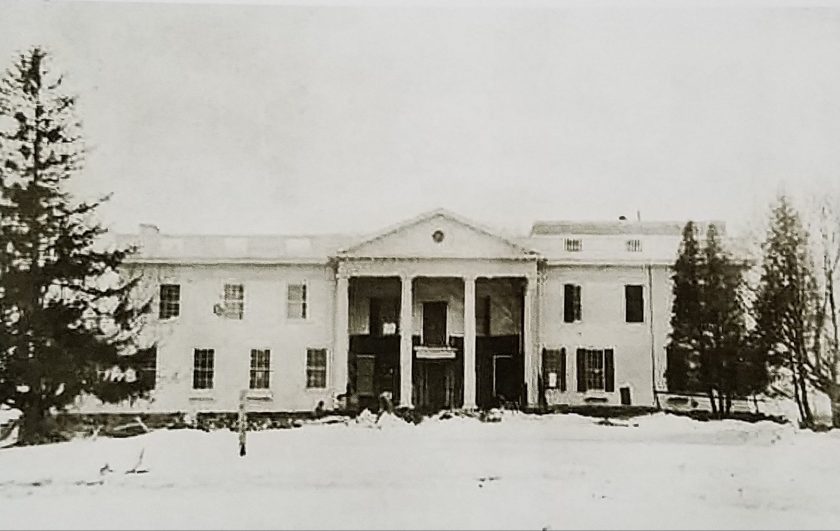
point(243, 421)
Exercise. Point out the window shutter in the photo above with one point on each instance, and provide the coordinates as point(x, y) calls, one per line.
point(634, 304)
point(609, 371)
point(568, 303)
point(577, 303)
point(563, 369)
point(581, 370)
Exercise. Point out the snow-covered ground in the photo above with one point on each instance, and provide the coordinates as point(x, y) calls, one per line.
point(557, 471)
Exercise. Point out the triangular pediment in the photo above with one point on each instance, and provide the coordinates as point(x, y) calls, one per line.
point(437, 234)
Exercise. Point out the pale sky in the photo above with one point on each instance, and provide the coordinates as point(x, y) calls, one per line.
point(318, 117)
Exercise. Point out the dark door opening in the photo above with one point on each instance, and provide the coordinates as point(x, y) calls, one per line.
point(437, 385)
point(505, 381)
point(434, 324)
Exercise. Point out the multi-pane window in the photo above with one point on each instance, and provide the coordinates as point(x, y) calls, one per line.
point(260, 368)
point(554, 369)
point(634, 304)
point(571, 303)
point(595, 370)
point(234, 301)
point(203, 368)
point(574, 245)
point(147, 359)
point(170, 301)
point(316, 368)
point(594, 367)
point(633, 246)
point(483, 313)
point(296, 301)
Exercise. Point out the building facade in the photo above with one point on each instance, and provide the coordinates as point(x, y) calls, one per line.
point(437, 312)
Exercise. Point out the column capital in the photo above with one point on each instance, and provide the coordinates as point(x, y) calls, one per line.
point(407, 277)
point(341, 270)
point(469, 277)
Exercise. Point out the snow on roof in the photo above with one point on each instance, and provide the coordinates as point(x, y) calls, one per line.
point(642, 228)
point(600, 242)
point(222, 248)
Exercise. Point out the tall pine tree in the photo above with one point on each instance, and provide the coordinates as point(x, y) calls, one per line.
point(708, 351)
point(787, 311)
point(684, 346)
point(67, 316)
point(726, 365)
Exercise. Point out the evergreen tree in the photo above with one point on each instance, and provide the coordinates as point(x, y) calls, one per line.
point(787, 312)
point(708, 351)
point(726, 360)
point(67, 316)
point(684, 346)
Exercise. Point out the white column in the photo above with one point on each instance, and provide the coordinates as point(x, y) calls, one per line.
point(406, 346)
point(469, 343)
point(529, 342)
point(342, 339)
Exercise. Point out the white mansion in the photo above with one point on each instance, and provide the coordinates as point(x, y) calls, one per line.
point(438, 311)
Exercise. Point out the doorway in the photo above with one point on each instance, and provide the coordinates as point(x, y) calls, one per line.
point(434, 324)
point(505, 383)
point(437, 381)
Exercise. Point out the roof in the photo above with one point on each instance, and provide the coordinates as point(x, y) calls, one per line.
point(480, 235)
point(547, 240)
point(642, 228)
point(239, 248)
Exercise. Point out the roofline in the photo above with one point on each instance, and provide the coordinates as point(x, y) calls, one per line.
point(429, 215)
point(523, 258)
point(226, 261)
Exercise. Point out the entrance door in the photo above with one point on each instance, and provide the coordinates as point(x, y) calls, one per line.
point(365, 370)
point(437, 384)
point(505, 386)
point(434, 324)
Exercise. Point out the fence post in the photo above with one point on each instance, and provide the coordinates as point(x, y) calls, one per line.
point(242, 421)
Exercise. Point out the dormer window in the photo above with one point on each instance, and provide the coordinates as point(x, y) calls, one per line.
point(633, 246)
point(574, 245)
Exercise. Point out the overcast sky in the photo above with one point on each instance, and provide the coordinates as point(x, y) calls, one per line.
point(331, 118)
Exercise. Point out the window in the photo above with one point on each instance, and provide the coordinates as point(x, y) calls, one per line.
point(170, 301)
point(203, 368)
point(633, 246)
point(554, 369)
point(296, 301)
point(147, 365)
point(234, 301)
point(434, 324)
point(571, 303)
point(634, 304)
point(260, 368)
point(383, 315)
point(316, 368)
point(574, 245)
point(483, 311)
point(595, 370)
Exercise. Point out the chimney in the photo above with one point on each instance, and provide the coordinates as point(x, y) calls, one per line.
point(149, 238)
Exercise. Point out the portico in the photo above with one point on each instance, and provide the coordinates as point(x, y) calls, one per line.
point(440, 278)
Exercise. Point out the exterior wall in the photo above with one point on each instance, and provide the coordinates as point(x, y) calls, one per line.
point(361, 291)
point(505, 309)
point(264, 325)
point(375, 267)
point(603, 325)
